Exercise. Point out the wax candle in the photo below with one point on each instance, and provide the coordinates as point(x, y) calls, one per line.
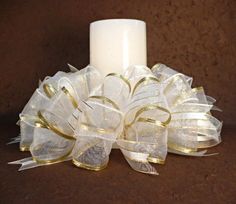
point(116, 44)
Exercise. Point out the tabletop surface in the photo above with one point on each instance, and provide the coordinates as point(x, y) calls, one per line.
point(181, 180)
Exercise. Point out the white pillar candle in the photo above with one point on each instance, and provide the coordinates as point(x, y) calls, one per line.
point(115, 44)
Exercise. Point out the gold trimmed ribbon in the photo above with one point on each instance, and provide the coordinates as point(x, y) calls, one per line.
point(192, 126)
point(144, 127)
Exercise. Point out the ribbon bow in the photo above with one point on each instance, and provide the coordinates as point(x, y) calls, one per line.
point(80, 116)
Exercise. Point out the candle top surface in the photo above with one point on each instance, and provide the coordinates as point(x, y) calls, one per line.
point(117, 20)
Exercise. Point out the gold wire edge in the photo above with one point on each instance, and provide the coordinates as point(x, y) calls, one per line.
point(49, 90)
point(88, 166)
point(24, 148)
point(103, 98)
point(180, 148)
point(144, 79)
point(156, 160)
point(46, 124)
point(72, 99)
point(208, 144)
point(147, 108)
point(172, 80)
point(122, 78)
point(53, 161)
point(150, 120)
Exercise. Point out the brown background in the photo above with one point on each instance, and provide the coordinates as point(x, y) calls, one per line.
point(38, 38)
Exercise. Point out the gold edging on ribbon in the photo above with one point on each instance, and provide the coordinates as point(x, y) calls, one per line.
point(156, 122)
point(24, 148)
point(53, 161)
point(49, 90)
point(156, 160)
point(29, 118)
point(87, 166)
point(137, 142)
point(103, 98)
point(144, 79)
point(180, 148)
point(46, 124)
point(208, 143)
point(72, 99)
point(122, 78)
point(172, 81)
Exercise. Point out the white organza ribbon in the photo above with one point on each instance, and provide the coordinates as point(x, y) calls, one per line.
point(192, 126)
point(80, 116)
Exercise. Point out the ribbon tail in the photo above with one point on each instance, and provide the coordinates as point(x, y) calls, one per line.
point(72, 68)
point(14, 140)
point(26, 163)
point(18, 122)
point(29, 163)
point(216, 108)
point(139, 162)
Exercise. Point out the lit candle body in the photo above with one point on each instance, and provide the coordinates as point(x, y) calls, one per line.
point(115, 44)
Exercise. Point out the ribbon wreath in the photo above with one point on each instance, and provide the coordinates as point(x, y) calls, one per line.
point(81, 116)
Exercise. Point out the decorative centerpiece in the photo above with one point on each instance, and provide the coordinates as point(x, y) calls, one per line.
point(116, 102)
